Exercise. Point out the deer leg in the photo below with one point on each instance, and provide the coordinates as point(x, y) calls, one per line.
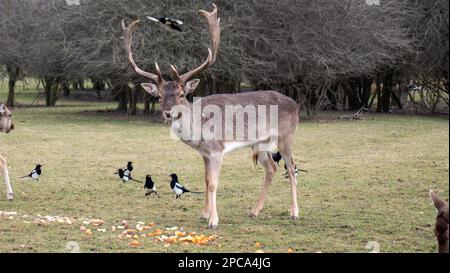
point(4, 168)
point(212, 167)
point(287, 154)
point(206, 210)
point(264, 159)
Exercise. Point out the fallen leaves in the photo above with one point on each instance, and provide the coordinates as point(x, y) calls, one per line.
point(88, 232)
point(135, 234)
point(168, 236)
point(7, 213)
point(45, 220)
point(135, 243)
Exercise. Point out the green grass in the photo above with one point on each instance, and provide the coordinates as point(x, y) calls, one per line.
point(367, 181)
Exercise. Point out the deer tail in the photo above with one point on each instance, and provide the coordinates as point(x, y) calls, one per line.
point(255, 158)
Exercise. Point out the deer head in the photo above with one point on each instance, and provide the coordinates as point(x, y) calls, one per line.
point(6, 124)
point(172, 93)
point(441, 226)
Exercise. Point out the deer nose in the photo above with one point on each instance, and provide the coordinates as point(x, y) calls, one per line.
point(10, 128)
point(168, 114)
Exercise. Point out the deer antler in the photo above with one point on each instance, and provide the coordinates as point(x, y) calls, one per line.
point(214, 30)
point(127, 37)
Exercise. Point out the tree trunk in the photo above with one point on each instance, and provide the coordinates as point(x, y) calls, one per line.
point(134, 96)
point(66, 89)
point(52, 90)
point(147, 98)
point(13, 73)
point(387, 92)
point(366, 88)
point(379, 92)
point(120, 92)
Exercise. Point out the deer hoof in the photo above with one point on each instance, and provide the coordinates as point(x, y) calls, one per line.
point(213, 227)
point(252, 215)
point(294, 218)
point(10, 197)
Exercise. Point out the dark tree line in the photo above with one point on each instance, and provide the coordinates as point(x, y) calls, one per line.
point(325, 54)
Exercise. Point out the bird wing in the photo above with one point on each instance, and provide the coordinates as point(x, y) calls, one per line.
point(152, 18)
point(176, 27)
point(178, 185)
point(177, 191)
point(34, 174)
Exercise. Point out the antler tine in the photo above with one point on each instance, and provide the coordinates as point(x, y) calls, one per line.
point(176, 74)
point(214, 30)
point(127, 37)
point(158, 71)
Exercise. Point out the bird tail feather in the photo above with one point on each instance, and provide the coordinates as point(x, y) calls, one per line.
point(152, 18)
point(136, 180)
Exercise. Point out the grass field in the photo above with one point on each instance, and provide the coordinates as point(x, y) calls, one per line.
point(367, 181)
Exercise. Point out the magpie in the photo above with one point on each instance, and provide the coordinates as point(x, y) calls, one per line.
point(34, 173)
point(126, 176)
point(277, 157)
point(177, 188)
point(150, 186)
point(129, 166)
point(171, 23)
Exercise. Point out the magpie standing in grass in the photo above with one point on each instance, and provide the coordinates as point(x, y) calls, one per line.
point(127, 169)
point(125, 176)
point(177, 188)
point(129, 166)
point(277, 157)
point(150, 186)
point(34, 173)
point(171, 23)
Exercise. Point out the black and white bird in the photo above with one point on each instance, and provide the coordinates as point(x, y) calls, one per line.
point(150, 186)
point(171, 23)
point(126, 176)
point(129, 166)
point(277, 158)
point(177, 188)
point(34, 173)
point(127, 169)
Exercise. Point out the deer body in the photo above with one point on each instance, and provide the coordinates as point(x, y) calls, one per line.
point(213, 146)
point(6, 126)
point(441, 226)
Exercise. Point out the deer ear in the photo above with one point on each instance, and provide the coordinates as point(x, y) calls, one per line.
point(191, 85)
point(438, 203)
point(2, 108)
point(150, 88)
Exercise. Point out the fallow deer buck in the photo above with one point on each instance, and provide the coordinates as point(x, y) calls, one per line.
point(6, 126)
point(172, 94)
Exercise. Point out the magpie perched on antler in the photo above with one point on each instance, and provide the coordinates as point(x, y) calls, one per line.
point(34, 173)
point(177, 188)
point(171, 23)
